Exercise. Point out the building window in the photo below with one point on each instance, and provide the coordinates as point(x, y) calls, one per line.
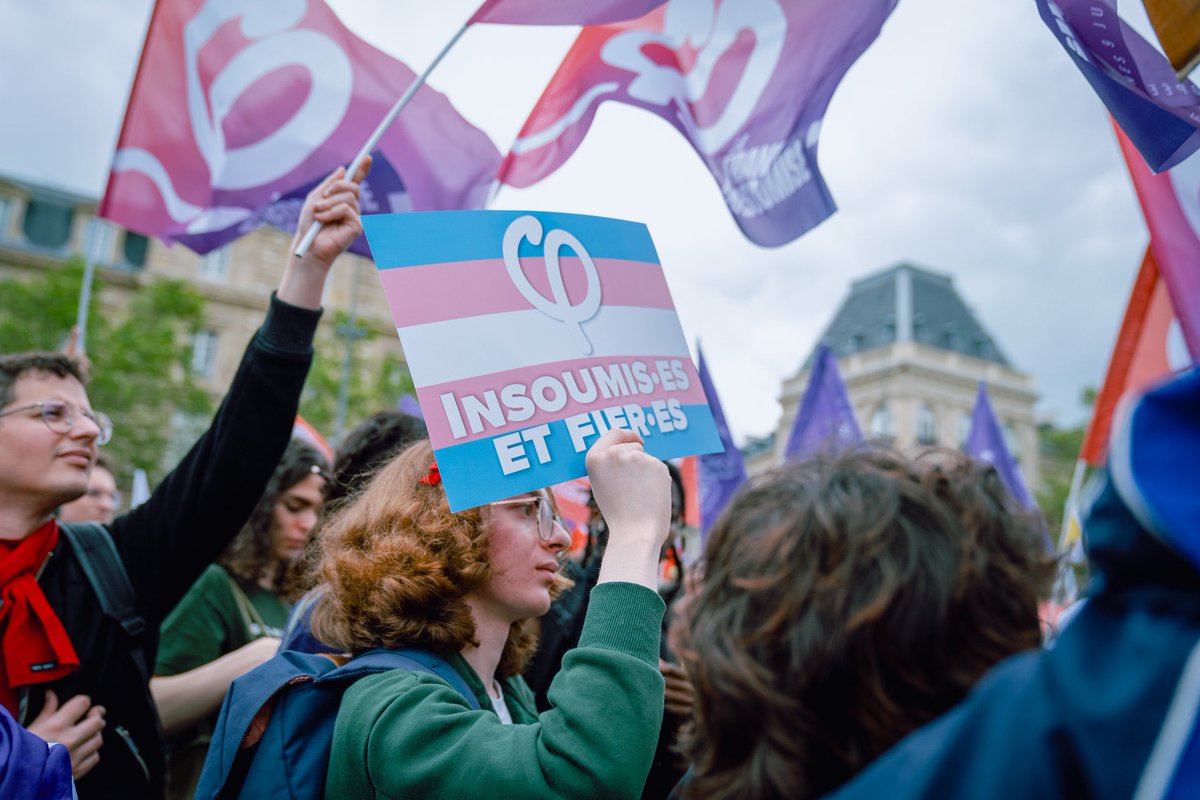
point(214, 266)
point(1012, 442)
point(964, 427)
point(950, 338)
point(926, 425)
point(982, 348)
point(133, 249)
point(920, 330)
point(881, 426)
point(48, 224)
point(7, 204)
point(887, 332)
point(204, 353)
point(98, 240)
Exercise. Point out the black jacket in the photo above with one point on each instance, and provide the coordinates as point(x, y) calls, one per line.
point(166, 543)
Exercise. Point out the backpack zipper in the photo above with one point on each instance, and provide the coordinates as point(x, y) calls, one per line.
point(123, 732)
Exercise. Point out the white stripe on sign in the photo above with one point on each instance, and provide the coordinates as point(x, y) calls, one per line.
point(452, 350)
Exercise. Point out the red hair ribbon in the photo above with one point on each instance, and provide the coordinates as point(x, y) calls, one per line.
point(433, 477)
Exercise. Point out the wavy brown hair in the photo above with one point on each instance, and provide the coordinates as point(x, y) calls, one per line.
point(844, 602)
point(397, 565)
point(250, 554)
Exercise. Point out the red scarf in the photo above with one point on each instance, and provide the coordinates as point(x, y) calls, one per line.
point(36, 647)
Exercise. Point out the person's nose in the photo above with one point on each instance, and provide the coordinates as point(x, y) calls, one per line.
point(560, 538)
point(307, 520)
point(84, 428)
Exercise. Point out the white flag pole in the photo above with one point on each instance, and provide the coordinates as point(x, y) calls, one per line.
point(408, 95)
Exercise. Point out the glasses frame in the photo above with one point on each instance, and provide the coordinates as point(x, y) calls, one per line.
point(71, 414)
point(546, 517)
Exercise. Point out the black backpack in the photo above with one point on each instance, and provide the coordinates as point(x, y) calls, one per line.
point(98, 557)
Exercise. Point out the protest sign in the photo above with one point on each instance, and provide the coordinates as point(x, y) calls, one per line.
point(528, 335)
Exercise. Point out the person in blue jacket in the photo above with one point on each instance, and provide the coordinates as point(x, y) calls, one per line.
point(1111, 710)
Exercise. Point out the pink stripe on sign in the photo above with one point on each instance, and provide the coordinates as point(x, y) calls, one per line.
point(552, 391)
point(453, 290)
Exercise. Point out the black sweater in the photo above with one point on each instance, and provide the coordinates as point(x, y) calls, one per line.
point(167, 542)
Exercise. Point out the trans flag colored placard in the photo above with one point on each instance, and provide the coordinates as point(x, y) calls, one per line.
point(528, 335)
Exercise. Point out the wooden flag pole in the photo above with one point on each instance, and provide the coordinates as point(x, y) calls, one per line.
point(408, 95)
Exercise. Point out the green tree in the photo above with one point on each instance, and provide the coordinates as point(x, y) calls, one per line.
point(139, 356)
point(1059, 450)
point(374, 384)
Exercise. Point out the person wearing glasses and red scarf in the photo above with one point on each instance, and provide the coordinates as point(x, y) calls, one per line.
point(69, 673)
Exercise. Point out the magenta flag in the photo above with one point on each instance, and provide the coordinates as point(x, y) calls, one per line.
point(721, 473)
point(238, 109)
point(562, 12)
point(986, 443)
point(746, 82)
point(1171, 204)
point(825, 419)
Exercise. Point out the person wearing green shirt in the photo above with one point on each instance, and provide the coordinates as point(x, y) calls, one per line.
point(230, 620)
point(399, 569)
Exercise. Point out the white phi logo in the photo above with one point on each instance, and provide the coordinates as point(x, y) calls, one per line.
point(559, 307)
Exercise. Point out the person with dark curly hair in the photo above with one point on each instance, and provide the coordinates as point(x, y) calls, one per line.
point(400, 569)
point(845, 601)
point(230, 620)
point(371, 444)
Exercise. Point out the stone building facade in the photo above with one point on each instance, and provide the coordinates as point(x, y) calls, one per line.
point(912, 354)
point(41, 227)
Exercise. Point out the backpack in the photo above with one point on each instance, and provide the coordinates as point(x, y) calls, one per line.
point(101, 564)
point(274, 735)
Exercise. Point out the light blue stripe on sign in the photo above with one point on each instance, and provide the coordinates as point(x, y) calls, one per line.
point(437, 237)
point(472, 475)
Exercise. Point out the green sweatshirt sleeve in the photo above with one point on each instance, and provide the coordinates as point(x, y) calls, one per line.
point(404, 734)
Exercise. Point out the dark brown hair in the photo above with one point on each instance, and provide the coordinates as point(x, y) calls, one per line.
point(844, 602)
point(396, 566)
point(251, 551)
point(12, 367)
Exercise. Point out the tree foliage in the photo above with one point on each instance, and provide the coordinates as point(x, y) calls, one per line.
point(373, 384)
point(139, 354)
point(1059, 449)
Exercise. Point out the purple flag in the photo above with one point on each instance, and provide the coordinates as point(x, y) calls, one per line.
point(720, 474)
point(986, 443)
point(1159, 113)
point(238, 108)
point(747, 82)
point(409, 405)
point(29, 767)
point(562, 12)
point(826, 418)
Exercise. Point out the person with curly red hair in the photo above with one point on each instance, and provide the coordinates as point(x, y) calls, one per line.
point(400, 569)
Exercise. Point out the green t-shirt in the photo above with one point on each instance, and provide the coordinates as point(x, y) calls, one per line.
point(209, 622)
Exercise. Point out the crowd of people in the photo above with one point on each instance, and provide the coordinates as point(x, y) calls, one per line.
point(858, 624)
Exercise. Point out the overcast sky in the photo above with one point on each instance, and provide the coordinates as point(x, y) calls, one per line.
point(964, 141)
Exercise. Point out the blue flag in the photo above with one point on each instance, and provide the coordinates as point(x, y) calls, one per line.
point(409, 405)
point(29, 767)
point(1159, 113)
point(721, 473)
point(826, 418)
point(986, 443)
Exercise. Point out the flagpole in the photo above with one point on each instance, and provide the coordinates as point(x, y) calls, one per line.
point(408, 95)
point(85, 291)
point(1072, 499)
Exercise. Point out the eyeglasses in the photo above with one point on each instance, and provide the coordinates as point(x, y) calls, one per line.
point(100, 494)
point(546, 517)
point(60, 417)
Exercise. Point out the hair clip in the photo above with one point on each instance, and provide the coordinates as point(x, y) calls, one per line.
point(433, 477)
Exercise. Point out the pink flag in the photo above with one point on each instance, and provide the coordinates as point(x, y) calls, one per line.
point(562, 12)
point(1171, 204)
point(239, 108)
point(746, 81)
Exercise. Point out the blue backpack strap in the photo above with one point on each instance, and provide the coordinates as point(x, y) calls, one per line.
point(248, 703)
point(101, 563)
point(411, 659)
